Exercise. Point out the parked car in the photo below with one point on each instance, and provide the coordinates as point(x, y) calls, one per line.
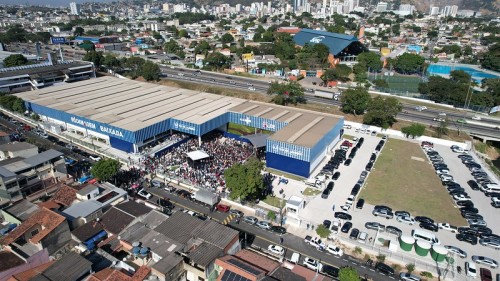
point(403, 276)
point(334, 250)
point(383, 213)
point(331, 271)
point(429, 226)
point(470, 270)
point(346, 227)
point(449, 227)
point(375, 226)
point(237, 213)
point(144, 194)
point(223, 208)
point(312, 264)
point(393, 230)
point(278, 229)
point(354, 234)
point(424, 219)
point(275, 249)
point(250, 219)
point(360, 203)
point(459, 252)
point(493, 243)
point(342, 215)
point(406, 219)
point(156, 183)
point(263, 224)
point(466, 238)
point(484, 260)
point(384, 268)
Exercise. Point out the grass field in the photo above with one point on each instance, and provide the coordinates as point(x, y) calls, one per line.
point(400, 83)
point(404, 180)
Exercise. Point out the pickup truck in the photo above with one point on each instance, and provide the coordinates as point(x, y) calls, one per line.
point(316, 242)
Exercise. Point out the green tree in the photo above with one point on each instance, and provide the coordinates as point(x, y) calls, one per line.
point(360, 72)
point(202, 48)
point(409, 63)
point(381, 83)
point(370, 60)
point(382, 112)
point(355, 100)
point(79, 31)
point(322, 231)
point(227, 38)
point(150, 71)
point(341, 72)
point(348, 274)
point(18, 105)
point(245, 180)
point(172, 47)
point(15, 60)
point(217, 61)
point(410, 267)
point(414, 130)
point(111, 62)
point(105, 169)
point(96, 57)
point(286, 93)
point(491, 59)
point(271, 215)
point(183, 34)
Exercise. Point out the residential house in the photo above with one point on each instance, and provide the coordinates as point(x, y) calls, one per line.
point(19, 212)
point(44, 229)
point(87, 192)
point(20, 177)
point(17, 149)
point(110, 274)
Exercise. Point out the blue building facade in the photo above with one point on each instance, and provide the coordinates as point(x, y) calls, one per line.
point(286, 157)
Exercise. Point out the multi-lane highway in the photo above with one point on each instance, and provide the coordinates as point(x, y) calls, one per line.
point(486, 127)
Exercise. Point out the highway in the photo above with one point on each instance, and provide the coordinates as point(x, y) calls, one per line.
point(485, 127)
point(260, 239)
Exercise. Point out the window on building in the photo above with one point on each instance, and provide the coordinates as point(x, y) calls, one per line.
point(11, 185)
point(34, 232)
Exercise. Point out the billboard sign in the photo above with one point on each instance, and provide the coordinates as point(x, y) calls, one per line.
point(58, 40)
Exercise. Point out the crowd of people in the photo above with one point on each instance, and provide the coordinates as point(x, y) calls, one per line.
point(206, 173)
point(163, 142)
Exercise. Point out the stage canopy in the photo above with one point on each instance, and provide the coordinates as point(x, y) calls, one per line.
point(197, 155)
point(257, 140)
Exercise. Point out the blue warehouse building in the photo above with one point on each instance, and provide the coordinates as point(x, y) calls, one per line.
point(128, 115)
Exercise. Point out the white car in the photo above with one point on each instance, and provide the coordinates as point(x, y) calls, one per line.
point(470, 269)
point(251, 88)
point(312, 264)
point(406, 219)
point(443, 172)
point(275, 249)
point(446, 177)
point(461, 197)
point(250, 219)
point(475, 117)
point(95, 157)
point(346, 207)
point(477, 222)
point(144, 194)
point(449, 227)
point(263, 224)
point(316, 242)
point(408, 277)
point(156, 183)
point(438, 119)
point(336, 251)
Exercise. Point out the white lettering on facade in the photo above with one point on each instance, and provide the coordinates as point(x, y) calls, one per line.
point(184, 127)
point(246, 120)
point(286, 150)
point(111, 131)
point(83, 122)
point(268, 126)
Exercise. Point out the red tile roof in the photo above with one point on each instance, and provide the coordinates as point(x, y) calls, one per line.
point(112, 274)
point(48, 219)
point(50, 204)
point(257, 260)
point(30, 273)
point(65, 195)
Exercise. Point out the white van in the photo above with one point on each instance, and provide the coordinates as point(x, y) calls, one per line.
point(295, 258)
point(422, 235)
point(491, 188)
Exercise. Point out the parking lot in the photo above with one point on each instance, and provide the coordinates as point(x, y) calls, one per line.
point(319, 209)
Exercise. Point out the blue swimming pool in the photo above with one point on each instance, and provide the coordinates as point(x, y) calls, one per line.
point(436, 69)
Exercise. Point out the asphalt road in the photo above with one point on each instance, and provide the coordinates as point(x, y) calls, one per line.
point(260, 239)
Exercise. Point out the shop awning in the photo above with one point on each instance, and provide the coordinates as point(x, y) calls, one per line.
point(197, 155)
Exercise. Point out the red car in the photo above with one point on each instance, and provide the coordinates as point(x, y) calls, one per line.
point(485, 274)
point(223, 208)
point(427, 143)
point(347, 143)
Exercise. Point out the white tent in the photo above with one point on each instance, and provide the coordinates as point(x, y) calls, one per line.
point(197, 155)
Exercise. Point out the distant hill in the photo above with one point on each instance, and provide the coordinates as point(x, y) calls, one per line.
point(486, 7)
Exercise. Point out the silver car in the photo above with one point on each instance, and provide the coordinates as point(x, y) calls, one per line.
point(383, 213)
point(250, 219)
point(461, 253)
point(493, 243)
point(486, 261)
point(263, 224)
point(375, 226)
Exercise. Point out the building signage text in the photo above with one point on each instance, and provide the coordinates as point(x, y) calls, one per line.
point(285, 150)
point(268, 126)
point(91, 125)
point(184, 127)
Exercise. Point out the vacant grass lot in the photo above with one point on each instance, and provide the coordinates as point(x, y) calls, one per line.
point(403, 183)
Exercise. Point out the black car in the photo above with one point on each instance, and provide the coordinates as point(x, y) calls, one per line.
point(456, 190)
point(429, 226)
point(467, 238)
point(402, 213)
point(360, 203)
point(379, 207)
point(355, 189)
point(348, 162)
point(331, 271)
point(492, 194)
point(167, 211)
point(325, 193)
point(424, 219)
point(473, 185)
point(467, 230)
point(165, 202)
point(278, 229)
point(361, 140)
point(373, 157)
point(471, 216)
point(469, 209)
point(490, 236)
point(384, 268)
point(354, 234)
point(465, 203)
point(330, 186)
point(481, 230)
point(346, 227)
point(336, 176)
point(369, 166)
point(327, 224)
point(393, 230)
point(342, 215)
